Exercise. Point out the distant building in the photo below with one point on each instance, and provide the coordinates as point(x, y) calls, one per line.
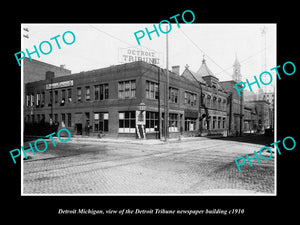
point(265, 106)
point(264, 120)
point(35, 70)
point(270, 97)
point(250, 118)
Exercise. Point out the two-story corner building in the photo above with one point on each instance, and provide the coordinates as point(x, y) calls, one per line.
point(213, 104)
point(108, 101)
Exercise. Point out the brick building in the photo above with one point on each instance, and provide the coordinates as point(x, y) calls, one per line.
point(35, 70)
point(250, 118)
point(214, 100)
point(263, 113)
point(108, 101)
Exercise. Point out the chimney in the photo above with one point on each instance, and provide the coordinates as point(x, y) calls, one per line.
point(63, 66)
point(49, 75)
point(175, 69)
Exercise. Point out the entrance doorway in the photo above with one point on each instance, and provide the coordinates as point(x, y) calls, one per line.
point(78, 128)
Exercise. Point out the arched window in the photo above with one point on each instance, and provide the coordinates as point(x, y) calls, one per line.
point(219, 103)
point(214, 106)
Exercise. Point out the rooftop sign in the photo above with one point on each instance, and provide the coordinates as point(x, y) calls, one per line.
point(127, 55)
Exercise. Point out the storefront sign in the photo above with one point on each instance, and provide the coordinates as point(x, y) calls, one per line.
point(127, 55)
point(140, 118)
point(59, 84)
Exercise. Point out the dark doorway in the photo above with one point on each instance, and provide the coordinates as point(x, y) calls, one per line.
point(78, 128)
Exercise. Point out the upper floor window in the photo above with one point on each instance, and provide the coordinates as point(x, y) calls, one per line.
point(101, 92)
point(79, 94)
point(38, 99)
point(126, 89)
point(27, 100)
point(63, 97)
point(87, 93)
point(190, 98)
point(173, 95)
point(151, 90)
point(69, 95)
point(55, 97)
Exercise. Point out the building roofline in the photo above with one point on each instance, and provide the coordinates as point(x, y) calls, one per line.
point(48, 64)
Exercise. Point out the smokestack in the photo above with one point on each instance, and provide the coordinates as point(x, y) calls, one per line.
point(175, 69)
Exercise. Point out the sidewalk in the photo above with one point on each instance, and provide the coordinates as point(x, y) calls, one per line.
point(162, 141)
point(158, 141)
point(136, 141)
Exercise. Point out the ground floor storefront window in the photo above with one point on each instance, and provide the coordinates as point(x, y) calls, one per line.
point(151, 121)
point(127, 122)
point(173, 122)
point(190, 124)
point(101, 122)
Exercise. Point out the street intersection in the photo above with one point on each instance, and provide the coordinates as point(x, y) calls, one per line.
point(192, 166)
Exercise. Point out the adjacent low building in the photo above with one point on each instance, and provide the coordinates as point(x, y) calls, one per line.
point(213, 103)
point(34, 70)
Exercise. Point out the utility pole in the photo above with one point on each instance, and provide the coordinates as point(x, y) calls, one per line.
point(167, 92)
point(264, 67)
point(241, 114)
point(51, 102)
point(159, 111)
point(264, 46)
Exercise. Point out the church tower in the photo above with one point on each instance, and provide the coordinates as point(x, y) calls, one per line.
point(236, 76)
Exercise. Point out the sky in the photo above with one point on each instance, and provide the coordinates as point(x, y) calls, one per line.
point(97, 46)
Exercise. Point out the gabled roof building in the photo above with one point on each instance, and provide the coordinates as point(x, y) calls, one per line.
point(214, 101)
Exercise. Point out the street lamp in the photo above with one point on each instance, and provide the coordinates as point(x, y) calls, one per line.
point(142, 108)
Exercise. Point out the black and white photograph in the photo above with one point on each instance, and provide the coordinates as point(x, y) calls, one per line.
point(129, 112)
point(112, 95)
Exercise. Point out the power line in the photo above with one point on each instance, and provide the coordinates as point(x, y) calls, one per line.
point(243, 61)
point(111, 35)
point(205, 53)
point(114, 37)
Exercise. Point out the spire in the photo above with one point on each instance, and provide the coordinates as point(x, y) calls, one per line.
point(236, 76)
point(204, 70)
point(236, 62)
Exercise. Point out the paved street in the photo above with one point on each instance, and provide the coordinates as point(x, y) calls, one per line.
point(190, 166)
